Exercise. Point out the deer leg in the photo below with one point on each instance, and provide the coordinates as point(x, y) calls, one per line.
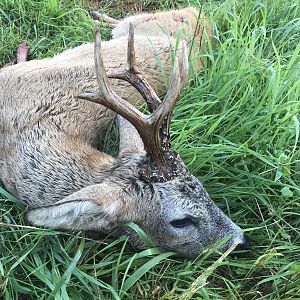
point(22, 53)
point(111, 22)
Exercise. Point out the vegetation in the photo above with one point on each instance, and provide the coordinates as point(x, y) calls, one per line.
point(237, 128)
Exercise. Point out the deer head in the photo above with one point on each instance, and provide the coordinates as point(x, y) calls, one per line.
point(149, 183)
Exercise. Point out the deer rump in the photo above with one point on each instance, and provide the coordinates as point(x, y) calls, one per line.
point(51, 115)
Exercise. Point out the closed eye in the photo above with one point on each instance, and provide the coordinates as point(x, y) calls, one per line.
point(184, 222)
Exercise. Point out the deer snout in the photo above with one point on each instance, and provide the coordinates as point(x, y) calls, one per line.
point(239, 239)
point(243, 244)
point(226, 228)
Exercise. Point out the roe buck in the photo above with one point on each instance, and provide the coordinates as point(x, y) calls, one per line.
point(48, 140)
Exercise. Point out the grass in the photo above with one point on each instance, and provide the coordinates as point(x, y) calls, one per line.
point(237, 128)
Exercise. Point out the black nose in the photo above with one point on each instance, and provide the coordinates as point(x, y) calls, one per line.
point(240, 249)
point(245, 245)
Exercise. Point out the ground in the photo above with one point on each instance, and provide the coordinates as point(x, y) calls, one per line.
point(236, 127)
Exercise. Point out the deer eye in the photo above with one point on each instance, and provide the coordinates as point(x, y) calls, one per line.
point(180, 223)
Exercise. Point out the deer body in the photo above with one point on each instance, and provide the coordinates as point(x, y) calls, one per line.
point(48, 139)
point(43, 123)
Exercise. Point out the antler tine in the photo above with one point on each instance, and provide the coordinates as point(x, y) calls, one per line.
point(100, 70)
point(184, 67)
point(179, 79)
point(104, 89)
point(163, 121)
point(131, 59)
point(132, 75)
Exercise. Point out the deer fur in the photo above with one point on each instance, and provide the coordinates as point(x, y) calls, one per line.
point(48, 142)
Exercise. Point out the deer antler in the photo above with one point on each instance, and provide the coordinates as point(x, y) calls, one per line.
point(153, 128)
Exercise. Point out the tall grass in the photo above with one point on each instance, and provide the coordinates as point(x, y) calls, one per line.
point(237, 128)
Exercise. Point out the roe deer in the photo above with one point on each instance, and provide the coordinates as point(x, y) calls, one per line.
point(52, 112)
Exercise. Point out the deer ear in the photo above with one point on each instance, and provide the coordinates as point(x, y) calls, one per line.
point(97, 207)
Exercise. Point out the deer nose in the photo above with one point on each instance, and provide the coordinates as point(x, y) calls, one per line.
point(243, 243)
